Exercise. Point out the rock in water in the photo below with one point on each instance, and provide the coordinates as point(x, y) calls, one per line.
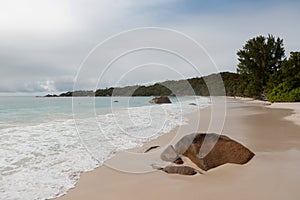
point(183, 170)
point(215, 151)
point(160, 100)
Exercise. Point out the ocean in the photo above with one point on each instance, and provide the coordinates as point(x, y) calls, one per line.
point(45, 143)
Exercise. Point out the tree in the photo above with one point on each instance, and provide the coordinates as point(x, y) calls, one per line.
point(259, 59)
point(290, 71)
point(288, 89)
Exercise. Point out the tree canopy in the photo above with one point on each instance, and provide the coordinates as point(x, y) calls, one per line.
point(288, 89)
point(263, 72)
point(193, 86)
point(259, 59)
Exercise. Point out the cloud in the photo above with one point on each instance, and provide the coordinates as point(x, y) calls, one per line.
point(35, 17)
point(43, 42)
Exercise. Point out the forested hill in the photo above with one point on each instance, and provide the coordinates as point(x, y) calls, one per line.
point(218, 84)
point(264, 72)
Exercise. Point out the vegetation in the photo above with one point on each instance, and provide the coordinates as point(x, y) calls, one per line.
point(259, 62)
point(194, 86)
point(263, 72)
point(288, 90)
point(219, 84)
point(77, 93)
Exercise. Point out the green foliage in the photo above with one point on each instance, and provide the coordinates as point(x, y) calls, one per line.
point(290, 71)
point(259, 59)
point(104, 92)
point(289, 88)
point(78, 93)
point(193, 86)
point(153, 90)
point(262, 71)
point(282, 93)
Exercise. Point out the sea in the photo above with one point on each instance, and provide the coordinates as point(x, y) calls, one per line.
point(45, 143)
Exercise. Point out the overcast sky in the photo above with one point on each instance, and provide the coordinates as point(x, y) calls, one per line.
point(44, 42)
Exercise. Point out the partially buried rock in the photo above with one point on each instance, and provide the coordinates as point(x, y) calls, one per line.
point(183, 170)
point(160, 100)
point(151, 148)
point(215, 151)
point(178, 161)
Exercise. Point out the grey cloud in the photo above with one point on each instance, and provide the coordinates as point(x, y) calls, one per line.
point(46, 58)
point(36, 85)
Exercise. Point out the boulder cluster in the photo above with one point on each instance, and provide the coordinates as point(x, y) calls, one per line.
point(206, 151)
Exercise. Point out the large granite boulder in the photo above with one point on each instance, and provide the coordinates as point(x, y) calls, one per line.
point(160, 100)
point(208, 151)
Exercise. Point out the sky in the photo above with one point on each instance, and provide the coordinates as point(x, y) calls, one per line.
point(50, 46)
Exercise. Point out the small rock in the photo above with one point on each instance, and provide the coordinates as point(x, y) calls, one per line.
point(150, 148)
point(160, 100)
point(178, 161)
point(183, 170)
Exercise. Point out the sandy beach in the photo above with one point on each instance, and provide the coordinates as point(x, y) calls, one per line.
point(271, 132)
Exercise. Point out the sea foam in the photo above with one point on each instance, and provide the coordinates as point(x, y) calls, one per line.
point(44, 161)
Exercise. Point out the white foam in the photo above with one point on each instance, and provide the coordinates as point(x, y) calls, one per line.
point(41, 161)
point(44, 161)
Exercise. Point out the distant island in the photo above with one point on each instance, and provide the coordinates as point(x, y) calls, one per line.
point(263, 72)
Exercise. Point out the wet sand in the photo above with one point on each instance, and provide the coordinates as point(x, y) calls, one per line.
point(272, 174)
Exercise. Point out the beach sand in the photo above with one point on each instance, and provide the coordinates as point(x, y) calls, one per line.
point(295, 116)
point(272, 174)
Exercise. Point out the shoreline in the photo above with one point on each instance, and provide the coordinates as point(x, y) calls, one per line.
point(295, 107)
point(270, 149)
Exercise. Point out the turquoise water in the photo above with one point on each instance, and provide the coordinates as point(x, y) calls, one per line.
point(38, 109)
point(35, 110)
point(15, 110)
point(46, 142)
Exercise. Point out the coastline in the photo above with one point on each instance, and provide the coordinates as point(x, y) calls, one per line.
point(272, 174)
point(295, 116)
